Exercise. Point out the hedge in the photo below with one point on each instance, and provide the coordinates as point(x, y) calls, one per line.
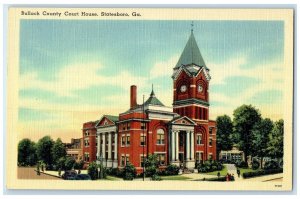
point(262, 172)
point(220, 179)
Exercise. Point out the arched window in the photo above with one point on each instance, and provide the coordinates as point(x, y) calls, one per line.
point(160, 136)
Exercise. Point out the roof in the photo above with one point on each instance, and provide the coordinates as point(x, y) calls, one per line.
point(191, 54)
point(112, 117)
point(152, 100)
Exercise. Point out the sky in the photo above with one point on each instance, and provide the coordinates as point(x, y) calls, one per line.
point(74, 71)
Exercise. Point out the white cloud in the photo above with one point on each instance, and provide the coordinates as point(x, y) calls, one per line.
point(164, 68)
point(79, 76)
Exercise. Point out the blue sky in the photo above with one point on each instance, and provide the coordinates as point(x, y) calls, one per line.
point(72, 71)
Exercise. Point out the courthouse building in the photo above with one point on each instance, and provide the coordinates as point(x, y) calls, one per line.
point(181, 135)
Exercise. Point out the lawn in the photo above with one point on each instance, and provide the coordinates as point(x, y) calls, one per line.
point(113, 178)
point(223, 172)
point(177, 177)
point(247, 170)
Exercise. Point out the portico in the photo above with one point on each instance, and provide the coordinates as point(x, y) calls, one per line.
point(182, 142)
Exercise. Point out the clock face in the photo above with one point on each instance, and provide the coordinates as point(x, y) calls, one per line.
point(200, 88)
point(183, 88)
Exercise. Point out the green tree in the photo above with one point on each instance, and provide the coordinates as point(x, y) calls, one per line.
point(93, 170)
point(224, 133)
point(129, 172)
point(260, 138)
point(69, 163)
point(275, 145)
point(244, 119)
point(27, 153)
point(152, 167)
point(44, 148)
point(58, 150)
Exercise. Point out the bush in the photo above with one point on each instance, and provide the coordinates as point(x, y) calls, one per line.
point(93, 170)
point(69, 163)
point(172, 169)
point(241, 164)
point(79, 165)
point(272, 164)
point(155, 177)
point(209, 166)
point(255, 164)
point(261, 172)
point(129, 172)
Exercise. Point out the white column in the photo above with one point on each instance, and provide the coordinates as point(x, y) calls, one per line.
point(116, 147)
point(109, 146)
point(98, 146)
point(103, 145)
point(188, 152)
point(173, 146)
point(177, 146)
point(192, 145)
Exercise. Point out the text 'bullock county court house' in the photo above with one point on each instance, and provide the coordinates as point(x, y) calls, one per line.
point(181, 135)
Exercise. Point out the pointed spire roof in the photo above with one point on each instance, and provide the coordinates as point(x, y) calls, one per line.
point(191, 54)
point(153, 100)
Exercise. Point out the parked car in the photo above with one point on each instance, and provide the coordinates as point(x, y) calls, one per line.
point(83, 177)
point(69, 175)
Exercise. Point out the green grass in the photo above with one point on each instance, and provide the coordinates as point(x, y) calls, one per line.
point(247, 170)
point(113, 178)
point(223, 172)
point(177, 177)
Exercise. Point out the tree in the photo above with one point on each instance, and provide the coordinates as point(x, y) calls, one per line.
point(260, 138)
point(93, 170)
point(44, 148)
point(58, 150)
point(129, 172)
point(245, 117)
point(275, 145)
point(27, 153)
point(69, 163)
point(224, 133)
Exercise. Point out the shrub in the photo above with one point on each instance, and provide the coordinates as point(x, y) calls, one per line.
point(172, 169)
point(272, 164)
point(79, 165)
point(129, 172)
point(242, 164)
point(69, 163)
point(93, 170)
point(155, 177)
point(255, 164)
point(261, 172)
point(209, 166)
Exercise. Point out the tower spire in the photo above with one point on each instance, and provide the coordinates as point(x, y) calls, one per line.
point(152, 92)
point(192, 26)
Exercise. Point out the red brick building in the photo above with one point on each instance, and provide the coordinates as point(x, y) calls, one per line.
point(181, 135)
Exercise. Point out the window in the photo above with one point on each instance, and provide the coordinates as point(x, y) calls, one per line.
point(198, 157)
point(210, 142)
point(143, 125)
point(124, 127)
point(87, 133)
point(210, 130)
point(128, 126)
point(210, 156)
point(199, 139)
point(123, 141)
point(160, 137)
point(143, 140)
point(123, 161)
point(142, 160)
point(86, 142)
point(87, 157)
point(128, 140)
point(127, 159)
point(161, 159)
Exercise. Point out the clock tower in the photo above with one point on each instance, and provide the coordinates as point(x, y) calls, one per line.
point(191, 83)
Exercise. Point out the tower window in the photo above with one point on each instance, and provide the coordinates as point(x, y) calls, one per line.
point(160, 137)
